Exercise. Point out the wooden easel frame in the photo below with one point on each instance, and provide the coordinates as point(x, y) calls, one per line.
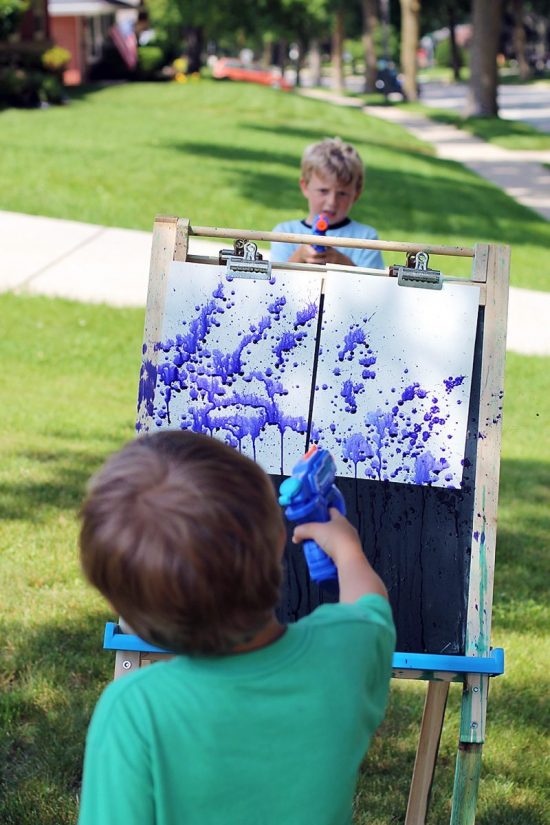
point(491, 273)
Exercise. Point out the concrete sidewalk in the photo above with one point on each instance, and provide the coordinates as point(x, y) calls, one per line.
point(80, 261)
point(98, 264)
point(519, 173)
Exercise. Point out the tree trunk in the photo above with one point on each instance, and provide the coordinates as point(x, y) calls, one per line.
point(482, 94)
point(370, 23)
point(194, 41)
point(520, 40)
point(267, 49)
point(410, 13)
point(337, 51)
point(315, 61)
point(298, 65)
point(456, 62)
point(279, 54)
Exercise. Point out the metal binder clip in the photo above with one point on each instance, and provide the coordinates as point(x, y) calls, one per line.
point(246, 262)
point(238, 249)
point(416, 272)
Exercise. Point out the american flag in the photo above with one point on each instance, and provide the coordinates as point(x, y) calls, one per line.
point(126, 44)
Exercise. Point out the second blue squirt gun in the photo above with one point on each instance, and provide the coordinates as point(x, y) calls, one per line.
point(307, 495)
point(320, 226)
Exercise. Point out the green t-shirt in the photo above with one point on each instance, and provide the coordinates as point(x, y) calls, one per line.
point(271, 737)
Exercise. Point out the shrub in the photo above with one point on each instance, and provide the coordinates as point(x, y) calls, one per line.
point(150, 61)
point(19, 87)
point(52, 89)
point(10, 14)
point(56, 59)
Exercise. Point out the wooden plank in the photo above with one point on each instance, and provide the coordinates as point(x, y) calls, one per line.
point(126, 661)
point(162, 255)
point(426, 754)
point(182, 239)
point(150, 658)
point(491, 267)
point(473, 711)
point(427, 675)
point(358, 243)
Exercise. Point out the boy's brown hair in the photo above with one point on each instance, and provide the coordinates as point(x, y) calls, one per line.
point(335, 158)
point(183, 536)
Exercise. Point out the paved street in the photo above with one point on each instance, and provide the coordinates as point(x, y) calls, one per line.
point(529, 103)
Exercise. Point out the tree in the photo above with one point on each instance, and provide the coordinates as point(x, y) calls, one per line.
point(315, 61)
point(295, 21)
point(435, 15)
point(410, 25)
point(370, 24)
point(11, 12)
point(194, 22)
point(455, 54)
point(338, 50)
point(482, 94)
point(520, 40)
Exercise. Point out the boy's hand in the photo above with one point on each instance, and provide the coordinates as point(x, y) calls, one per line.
point(340, 540)
point(306, 254)
point(337, 537)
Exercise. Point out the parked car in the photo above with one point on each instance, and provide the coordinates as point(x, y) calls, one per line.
point(388, 82)
point(229, 68)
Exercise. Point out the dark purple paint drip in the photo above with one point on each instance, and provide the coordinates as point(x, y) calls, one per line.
point(147, 382)
point(451, 383)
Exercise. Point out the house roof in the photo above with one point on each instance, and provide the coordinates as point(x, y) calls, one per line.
point(88, 8)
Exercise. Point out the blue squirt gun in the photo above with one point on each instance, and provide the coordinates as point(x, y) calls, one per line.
point(320, 226)
point(307, 496)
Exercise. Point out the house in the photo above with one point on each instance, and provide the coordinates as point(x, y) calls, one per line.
point(82, 27)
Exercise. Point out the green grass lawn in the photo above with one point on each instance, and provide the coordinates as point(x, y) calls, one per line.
point(68, 390)
point(229, 155)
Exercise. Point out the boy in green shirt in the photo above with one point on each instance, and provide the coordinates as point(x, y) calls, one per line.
point(251, 722)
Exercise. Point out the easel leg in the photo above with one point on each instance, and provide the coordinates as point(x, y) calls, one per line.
point(126, 661)
point(426, 754)
point(468, 769)
point(468, 761)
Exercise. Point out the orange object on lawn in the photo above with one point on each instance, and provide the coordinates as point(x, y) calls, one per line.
point(229, 68)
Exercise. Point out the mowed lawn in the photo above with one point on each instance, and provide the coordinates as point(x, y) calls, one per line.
point(68, 390)
point(228, 155)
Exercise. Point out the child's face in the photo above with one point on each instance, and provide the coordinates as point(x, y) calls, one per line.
point(327, 194)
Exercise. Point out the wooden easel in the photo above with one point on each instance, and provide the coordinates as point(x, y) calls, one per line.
point(478, 661)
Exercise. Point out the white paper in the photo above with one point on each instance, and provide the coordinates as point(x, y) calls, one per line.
point(236, 360)
point(394, 377)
